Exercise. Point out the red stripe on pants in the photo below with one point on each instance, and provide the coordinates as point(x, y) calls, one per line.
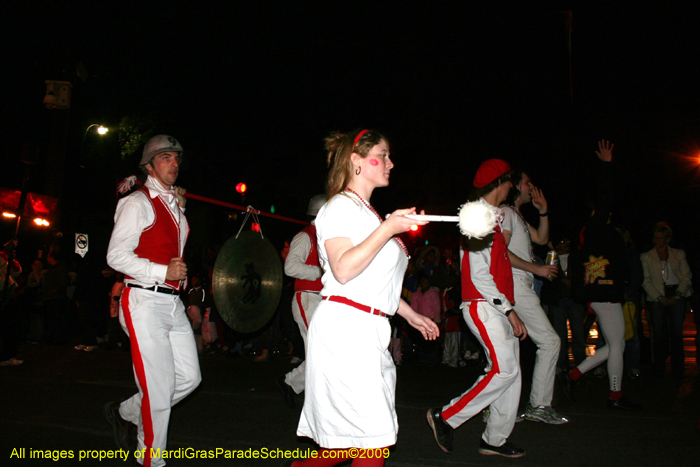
point(141, 376)
point(476, 390)
point(301, 309)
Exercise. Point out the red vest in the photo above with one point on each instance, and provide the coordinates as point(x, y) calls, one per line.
point(160, 241)
point(500, 270)
point(301, 285)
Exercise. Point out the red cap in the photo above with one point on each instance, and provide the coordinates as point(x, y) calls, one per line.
point(489, 171)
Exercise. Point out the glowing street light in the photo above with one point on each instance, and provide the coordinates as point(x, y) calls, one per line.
point(41, 222)
point(101, 130)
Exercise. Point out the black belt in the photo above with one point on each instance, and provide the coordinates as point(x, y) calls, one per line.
point(155, 288)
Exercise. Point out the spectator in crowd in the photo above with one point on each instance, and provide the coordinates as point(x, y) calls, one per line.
point(34, 307)
point(426, 301)
point(564, 309)
point(599, 279)
point(197, 305)
point(632, 306)
point(10, 271)
point(89, 297)
point(668, 284)
point(116, 336)
point(452, 320)
point(56, 281)
point(428, 260)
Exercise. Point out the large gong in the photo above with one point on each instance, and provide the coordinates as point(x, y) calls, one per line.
point(247, 281)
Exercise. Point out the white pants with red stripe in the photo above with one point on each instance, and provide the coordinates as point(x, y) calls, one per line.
point(499, 388)
point(166, 366)
point(303, 306)
point(540, 329)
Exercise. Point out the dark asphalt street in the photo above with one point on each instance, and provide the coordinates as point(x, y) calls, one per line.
point(54, 402)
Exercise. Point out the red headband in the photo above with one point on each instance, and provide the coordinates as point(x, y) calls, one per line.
point(357, 138)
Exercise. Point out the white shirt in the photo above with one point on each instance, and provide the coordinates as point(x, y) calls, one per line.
point(379, 285)
point(295, 265)
point(520, 243)
point(135, 213)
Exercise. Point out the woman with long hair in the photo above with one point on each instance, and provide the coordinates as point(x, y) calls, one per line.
point(350, 375)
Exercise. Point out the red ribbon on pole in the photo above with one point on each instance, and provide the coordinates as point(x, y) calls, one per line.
point(241, 208)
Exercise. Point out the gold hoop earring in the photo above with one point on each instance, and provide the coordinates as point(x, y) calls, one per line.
point(358, 170)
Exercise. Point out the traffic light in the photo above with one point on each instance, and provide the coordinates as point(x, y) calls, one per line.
point(241, 188)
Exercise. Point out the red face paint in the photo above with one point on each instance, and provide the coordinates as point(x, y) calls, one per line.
point(374, 162)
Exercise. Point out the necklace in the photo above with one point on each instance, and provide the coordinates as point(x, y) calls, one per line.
point(369, 206)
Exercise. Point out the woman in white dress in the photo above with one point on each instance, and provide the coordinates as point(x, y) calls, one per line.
point(350, 375)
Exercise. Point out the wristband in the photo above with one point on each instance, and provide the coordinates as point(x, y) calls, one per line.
point(545, 214)
point(507, 313)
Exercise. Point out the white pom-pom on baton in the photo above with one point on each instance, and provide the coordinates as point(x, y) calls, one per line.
point(477, 219)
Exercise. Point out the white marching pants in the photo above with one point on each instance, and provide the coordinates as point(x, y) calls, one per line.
point(499, 388)
point(611, 323)
point(303, 306)
point(166, 365)
point(540, 329)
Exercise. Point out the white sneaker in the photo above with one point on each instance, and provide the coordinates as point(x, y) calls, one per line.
point(543, 414)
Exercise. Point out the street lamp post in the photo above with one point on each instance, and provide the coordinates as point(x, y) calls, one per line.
point(101, 130)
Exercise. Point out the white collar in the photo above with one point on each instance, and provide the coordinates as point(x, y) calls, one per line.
point(155, 189)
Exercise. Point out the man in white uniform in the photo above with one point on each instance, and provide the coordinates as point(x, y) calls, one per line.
point(302, 264)
point(487, 306)
point(519, 236)
point(147, 243)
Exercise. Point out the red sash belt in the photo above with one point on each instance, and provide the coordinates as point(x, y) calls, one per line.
point(359, 306)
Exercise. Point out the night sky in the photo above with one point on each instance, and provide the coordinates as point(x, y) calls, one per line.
point(251, 88)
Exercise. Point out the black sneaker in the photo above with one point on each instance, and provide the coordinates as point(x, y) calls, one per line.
point(623, 404)
point(568, 385)
point(287, 391)
point(507, 450)
point(443, 432)
point(121, 428)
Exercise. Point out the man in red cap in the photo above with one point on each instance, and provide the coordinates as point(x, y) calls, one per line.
point(147, 244)
point(487, 305)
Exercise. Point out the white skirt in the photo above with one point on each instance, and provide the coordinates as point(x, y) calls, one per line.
point(350, 380)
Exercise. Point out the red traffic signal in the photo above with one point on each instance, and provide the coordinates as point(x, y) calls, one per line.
point(241, 188)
